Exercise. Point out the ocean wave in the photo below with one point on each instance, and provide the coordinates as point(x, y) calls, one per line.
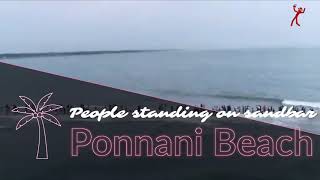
point(250, 98)
point(242, 98)
point(220, 96)
point(301, 103)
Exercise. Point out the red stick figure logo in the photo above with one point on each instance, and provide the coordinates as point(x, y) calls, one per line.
point(298, 12)
point(39, 112)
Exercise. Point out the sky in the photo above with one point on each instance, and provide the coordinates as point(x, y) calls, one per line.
point(46, 26)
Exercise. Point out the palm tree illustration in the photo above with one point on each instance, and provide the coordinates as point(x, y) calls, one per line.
point(39, 112)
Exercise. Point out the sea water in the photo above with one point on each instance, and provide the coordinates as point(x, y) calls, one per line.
point(212, 77)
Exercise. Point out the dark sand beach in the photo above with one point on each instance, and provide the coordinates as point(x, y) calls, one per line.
point(18, 148)
point(18, 152)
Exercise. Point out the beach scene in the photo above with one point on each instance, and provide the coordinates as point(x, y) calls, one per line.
point(204, 56)
point(212, 79)
point(200, 63)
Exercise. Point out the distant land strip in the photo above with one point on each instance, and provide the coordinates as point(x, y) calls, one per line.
point(75, 53)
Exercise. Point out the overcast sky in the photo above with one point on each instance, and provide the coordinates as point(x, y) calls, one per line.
point(70, 26)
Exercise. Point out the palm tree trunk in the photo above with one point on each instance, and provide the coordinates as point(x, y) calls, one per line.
point(42, 152)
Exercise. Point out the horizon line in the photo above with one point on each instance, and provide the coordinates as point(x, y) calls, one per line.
point(94, 52)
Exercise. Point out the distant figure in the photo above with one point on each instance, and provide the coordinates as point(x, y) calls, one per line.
point(7, 109)
point(228, 108)
point(298, 12)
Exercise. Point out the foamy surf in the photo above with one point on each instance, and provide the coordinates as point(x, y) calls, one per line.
point(301, 103)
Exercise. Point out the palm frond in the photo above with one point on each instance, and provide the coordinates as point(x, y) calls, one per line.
point(50, 107)
point(24, 121)
point(28, 102)
point(23, 110)
point(43, 101)
point(51, 119)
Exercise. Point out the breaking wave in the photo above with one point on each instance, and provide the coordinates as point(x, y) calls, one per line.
point(244, 98)
point(301, 103)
